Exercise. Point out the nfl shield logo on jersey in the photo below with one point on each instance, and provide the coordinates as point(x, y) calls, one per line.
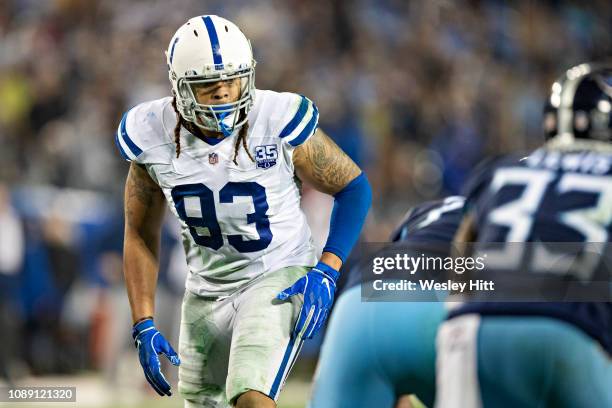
point(213, 158)
point(266, 156)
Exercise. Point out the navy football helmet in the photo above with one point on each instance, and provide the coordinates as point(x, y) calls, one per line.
point(580, 104)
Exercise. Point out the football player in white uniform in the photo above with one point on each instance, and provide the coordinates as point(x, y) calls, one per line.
point(225, 156)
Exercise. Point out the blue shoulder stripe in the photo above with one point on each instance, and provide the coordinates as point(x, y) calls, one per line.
point(308, 129)
point(123, 153)
point(136, 151)
point(297, 119)
point(214, 42)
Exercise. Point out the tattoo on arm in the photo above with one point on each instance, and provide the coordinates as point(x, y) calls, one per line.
point(140, 186)
point(144, 201)
point(144, 212)
point(323, 164)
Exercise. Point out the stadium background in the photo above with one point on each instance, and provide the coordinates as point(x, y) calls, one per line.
point(417, 92)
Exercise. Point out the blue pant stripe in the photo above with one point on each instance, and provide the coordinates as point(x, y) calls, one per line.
point(279, 376)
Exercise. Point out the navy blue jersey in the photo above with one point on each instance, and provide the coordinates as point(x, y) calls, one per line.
point(433, 222)
point(551, 196)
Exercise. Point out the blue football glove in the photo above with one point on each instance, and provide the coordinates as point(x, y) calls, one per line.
point(150, 342)
point(318, 288)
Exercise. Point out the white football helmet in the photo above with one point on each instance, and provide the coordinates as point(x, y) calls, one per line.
point(209, 49)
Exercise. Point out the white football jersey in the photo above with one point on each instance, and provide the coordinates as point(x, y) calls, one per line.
point(241, 220)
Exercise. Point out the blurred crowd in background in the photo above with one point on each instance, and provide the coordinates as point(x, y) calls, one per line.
point(417, 92)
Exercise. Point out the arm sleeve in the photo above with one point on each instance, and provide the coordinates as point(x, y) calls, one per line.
point(351, 205)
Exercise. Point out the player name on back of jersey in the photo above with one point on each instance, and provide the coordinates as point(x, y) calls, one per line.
point(575, 161)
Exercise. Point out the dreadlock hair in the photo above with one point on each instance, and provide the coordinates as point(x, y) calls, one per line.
point(177, 128)
point(240, 140)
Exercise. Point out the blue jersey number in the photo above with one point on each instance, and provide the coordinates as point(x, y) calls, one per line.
point(259, 217)
point(195, 204)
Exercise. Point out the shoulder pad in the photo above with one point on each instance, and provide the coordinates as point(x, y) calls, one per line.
point(141, 129)
point(299, 118)
point(479, 178)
